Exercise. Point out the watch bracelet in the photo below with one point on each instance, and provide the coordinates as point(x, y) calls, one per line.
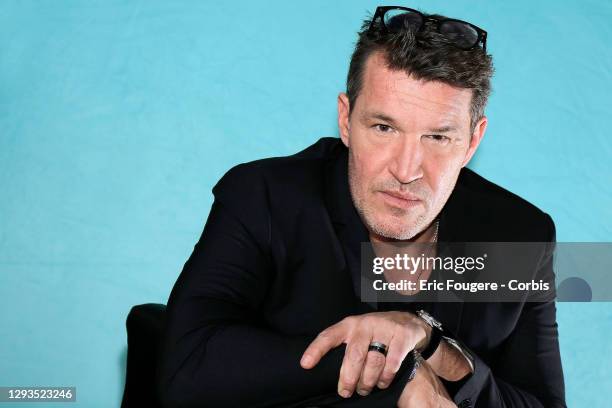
point(417, 360)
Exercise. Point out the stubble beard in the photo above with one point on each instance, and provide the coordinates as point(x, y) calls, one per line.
point(401, 230)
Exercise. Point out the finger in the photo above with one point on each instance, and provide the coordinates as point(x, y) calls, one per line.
point(325, 341)
point(372, 369)
point(375, 361)
point(399, 347)
point(352, 364)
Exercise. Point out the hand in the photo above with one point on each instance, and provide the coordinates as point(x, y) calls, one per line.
point(425, 391)
point(363, 369)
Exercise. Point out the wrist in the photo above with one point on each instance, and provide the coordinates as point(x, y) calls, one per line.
point(449, 363)
point(426, 337)
point(434, 334)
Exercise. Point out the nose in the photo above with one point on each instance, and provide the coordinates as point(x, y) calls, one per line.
point(406, 163)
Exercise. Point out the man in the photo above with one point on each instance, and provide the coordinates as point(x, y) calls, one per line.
point(266, 311)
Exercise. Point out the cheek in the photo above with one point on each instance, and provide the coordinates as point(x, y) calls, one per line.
point(367, 167)
point(441, 175)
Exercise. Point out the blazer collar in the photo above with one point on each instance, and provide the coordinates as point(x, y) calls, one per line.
point(347, 223)
point(337, 191)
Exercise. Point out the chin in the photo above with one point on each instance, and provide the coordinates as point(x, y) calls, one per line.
point(391, 227)
point(390, 222)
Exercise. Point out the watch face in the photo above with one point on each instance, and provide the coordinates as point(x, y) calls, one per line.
point(429, 319)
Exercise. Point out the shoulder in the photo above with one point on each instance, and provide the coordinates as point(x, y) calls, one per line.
point(288, 182)
point(497, 213)
point(295, 174)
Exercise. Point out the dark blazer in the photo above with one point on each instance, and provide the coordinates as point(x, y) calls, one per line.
point(277, 263)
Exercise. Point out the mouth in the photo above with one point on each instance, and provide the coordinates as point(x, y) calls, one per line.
point(401, 200)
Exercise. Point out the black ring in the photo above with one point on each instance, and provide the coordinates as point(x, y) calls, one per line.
point(380, 347)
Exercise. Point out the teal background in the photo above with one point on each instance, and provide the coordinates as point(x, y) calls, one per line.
point(117, 118)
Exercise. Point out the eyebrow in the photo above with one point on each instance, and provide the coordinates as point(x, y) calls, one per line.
point(389, 119)
point(379, 116)
point(443, 129)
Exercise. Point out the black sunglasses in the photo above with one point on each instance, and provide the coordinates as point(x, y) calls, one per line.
point(460, 33)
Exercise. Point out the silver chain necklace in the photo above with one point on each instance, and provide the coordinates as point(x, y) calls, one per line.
point(435, 237)
point(433, 240)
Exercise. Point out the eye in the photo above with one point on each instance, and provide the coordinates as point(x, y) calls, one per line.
point(440, 139)
point(382, 128)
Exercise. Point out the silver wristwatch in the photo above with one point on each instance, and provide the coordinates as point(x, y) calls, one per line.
point(431, 321)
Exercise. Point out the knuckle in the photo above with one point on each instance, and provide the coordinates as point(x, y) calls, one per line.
point(387, 376)
point(325, 334)
point(367, 383)
point(366, 320)
point(357, 354)
point(350, 320)
point(393, 364)
point(376, 360)
point(348, 379)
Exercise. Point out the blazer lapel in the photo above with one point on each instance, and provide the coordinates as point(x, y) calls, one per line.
point(349, 227)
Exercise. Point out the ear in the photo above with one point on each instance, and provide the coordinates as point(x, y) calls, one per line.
point(479, 132)
point(343, 118)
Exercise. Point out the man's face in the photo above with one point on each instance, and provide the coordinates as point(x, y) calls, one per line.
point(407, 141)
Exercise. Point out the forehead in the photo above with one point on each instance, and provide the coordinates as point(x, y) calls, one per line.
point(397, 93)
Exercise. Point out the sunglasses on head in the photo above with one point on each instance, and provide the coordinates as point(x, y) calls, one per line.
point(460, 33)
